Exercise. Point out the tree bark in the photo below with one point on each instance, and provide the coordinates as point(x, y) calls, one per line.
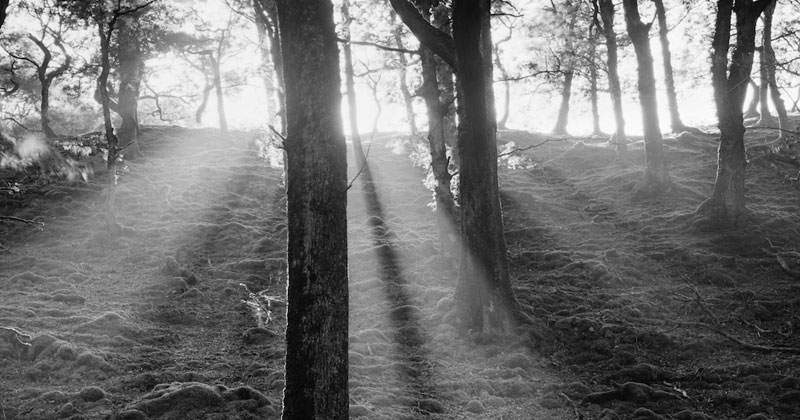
point(131, 70)
point(436, 111)
point(317, 312)
point(563, 110)
point(46, 79)
point(726, 206)
point(485, 300)
point(675, 123)
point(606, 11)
point(593, 86)
point(656, 176)
point(352, 103)
point(444, 74)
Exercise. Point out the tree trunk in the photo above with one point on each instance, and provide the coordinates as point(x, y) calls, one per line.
point(267, 13)
point(606, 8)
point(352, 103)
point(436, 111)
point(408, 98)
point(768, 55)
point(317, 312)
point(752, 107)
point(656, 176)
point(675, 122)
point(485, 300)
point(131, 70)
point(44, 108)
point(563, 110)
point(726, 206)
point(766, 119)
point(444, 74)
point(214, 62)
point(593, 100)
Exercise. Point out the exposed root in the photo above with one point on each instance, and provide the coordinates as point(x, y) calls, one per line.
point(40, 225)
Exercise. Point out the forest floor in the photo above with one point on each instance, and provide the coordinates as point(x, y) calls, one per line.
point(640, 315)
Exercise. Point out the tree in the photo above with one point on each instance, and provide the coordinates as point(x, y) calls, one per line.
point(131, 70)
point(770, 64)
point(350, 84)
point(316, 334)
point(432, 94)
point(656, 177)
point(676, 124)
point(566, 62)
point(266, 20)
point(52, 26)
point(605, 9)
point(485, 299)
point(726, 206)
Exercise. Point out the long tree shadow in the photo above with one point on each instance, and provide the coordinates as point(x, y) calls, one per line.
point(414, 364)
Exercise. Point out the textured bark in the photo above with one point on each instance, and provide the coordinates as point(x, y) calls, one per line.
point(105, 31)
point(350, 84)
point(768, 55)
point(131, 70)
point(675, 122)
point(436, 111)
point(563, 109)
point(317, 312)
point(606, 11)
point(485, 300)
point(726, 206)
point(656, 176)
point(3, 11)
point(444, 73)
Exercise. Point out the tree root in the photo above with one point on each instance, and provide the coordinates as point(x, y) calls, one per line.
point(716, 327)
point(40, 225)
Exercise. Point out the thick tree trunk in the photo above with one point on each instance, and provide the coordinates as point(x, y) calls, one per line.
point(656, 176)
point(768, 55)
point(606, 8)
point(44, 108)
point(485, 300)
point(352, 103)
point(593, 100)
point(726, 206)
point(131, 70)
point(444, 74)
point(563, 110)
point(317, 313)
point(675, 122)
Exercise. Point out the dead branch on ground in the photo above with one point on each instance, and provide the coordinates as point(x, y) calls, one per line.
point(522, 149)
point(40, 225)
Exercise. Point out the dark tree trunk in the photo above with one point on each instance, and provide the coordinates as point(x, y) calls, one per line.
point(656, 177)
point(408, 98)
point(485, 300)
point(46, 80)
point(752, 107)
point(105, 31)
point(563, 110)
point(436, 111)
point(726, 206)
point(317, 314)
point(675, 122)
point(768, 55)
point(606, 9)
point(3, 11)
point(352, 103)
point(766, 119)
point(131, 70)
point(44, 109)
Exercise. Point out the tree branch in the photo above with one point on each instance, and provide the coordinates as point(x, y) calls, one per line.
point(438, 42)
